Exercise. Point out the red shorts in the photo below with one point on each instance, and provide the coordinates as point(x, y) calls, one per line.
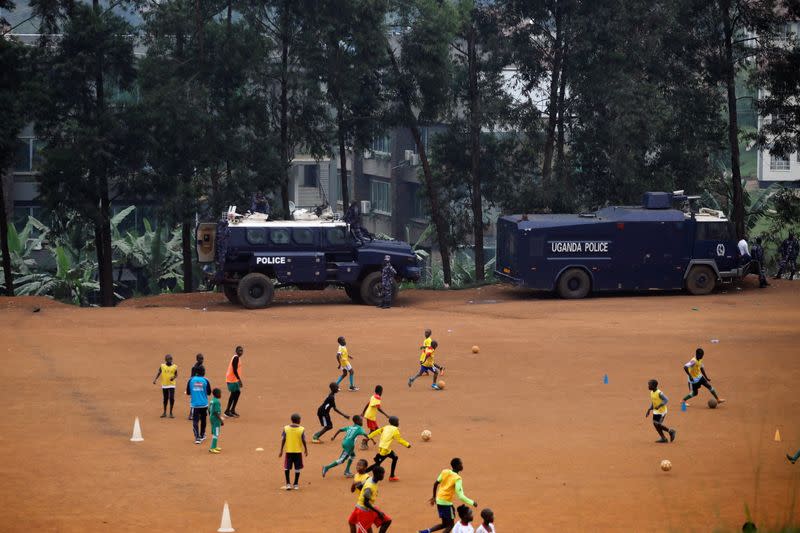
point(372, 425)
point(367, 519)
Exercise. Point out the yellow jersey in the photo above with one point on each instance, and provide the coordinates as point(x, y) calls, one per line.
point(388, 434)
point(659, 407)
point(360, 478)
point(447, 485)
point(168, 373)
point(372, 409)
point(368, 484)
point(294, 439)
point(344, 357)
point(695, 368)
point(426, 359)
point(425, 344)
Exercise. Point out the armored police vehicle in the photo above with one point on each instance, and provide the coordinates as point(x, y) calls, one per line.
point(648, 247)
point(252, 256)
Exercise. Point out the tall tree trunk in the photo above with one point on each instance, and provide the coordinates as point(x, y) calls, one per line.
point(430, 185)
point(561, 173)
point(8, 275)
point(286, 157)
point(552, 107)
point(343, 158)
point(186, 248)
point(104, 256)
point(475, 153)
point(733, 123)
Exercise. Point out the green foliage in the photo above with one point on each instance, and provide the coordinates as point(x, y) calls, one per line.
point(73, 280)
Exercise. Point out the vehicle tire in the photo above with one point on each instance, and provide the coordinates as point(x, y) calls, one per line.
point(371, 291)
point(353, 291)
point(574, 284)
point(255, 291)
point(701, 280)
point(231, 294)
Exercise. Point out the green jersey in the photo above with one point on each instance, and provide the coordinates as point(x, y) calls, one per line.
point(350, 435)
point(215, 411)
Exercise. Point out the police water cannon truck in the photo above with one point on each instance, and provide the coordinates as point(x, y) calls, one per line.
point(250, 256)
point(667, 243)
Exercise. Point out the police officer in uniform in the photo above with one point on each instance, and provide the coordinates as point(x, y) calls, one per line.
point(757, 253)
point(789, 250)
point(388, 274)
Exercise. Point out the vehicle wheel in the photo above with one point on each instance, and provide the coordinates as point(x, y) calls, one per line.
point(353, 291)
point(574, 284)
point(231, 294)
point(371, 290)
point(255, 291)
point(701, 280)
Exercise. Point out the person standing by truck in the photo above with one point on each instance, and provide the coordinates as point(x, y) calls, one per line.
point(757, 252)
point(388, 274)
point(233, 379)
point(788, 250)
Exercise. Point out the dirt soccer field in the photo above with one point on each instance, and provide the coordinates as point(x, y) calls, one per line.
point(545, 443)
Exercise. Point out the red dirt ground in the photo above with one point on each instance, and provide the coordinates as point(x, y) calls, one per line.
point(544, 442)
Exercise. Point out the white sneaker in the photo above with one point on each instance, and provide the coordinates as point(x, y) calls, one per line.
point(297, 487)
point(288, 487)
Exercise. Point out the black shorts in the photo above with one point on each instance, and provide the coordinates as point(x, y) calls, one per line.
point(659, 419)
point(702, 382)
point(324, 419)
point(293, 459)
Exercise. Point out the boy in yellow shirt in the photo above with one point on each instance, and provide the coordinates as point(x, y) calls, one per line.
point(658, 405)
point(427, 365)
point(343, 361)
point(293, 442)
point(698, 377)
point(168, 372)
point(360, 477)
point(370, 413)
point(389, 433)
point(365, 515)
point(446, 487)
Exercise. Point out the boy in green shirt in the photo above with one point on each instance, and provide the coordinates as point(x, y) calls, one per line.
point(216, 419)
point(348, 446)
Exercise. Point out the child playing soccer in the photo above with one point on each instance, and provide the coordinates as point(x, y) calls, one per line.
point(426, 343)
point(488, 522)
point(370, 413)
point(658, 405)
point(698, 377)
point(427, 365)
point(199, 389)
point(195, 369)
point(388, 433)
point(168, 372)
point(464, 524)
point(348, 446)
point(343, 362)
point(324, 413)
point(216, 419)
point(365, 515)
point(445, 488)
point(293, 442)
point(793, 458)
point(360, 477)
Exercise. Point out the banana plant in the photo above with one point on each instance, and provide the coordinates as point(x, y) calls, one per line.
point(73, 280)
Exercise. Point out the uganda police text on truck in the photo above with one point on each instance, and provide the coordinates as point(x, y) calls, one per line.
point(252, 256)
point(648, 247)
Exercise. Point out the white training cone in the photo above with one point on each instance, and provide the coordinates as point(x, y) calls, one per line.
point(225, 525)
point(137, 432)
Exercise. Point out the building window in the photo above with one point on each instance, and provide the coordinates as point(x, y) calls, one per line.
point(380, 197)
point(310, 176)
point(779, 163)
point(380, 145)
point(419, 205)
point(21, 214)
point(27, 155)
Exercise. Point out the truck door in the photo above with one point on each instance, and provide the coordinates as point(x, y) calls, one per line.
point(663, 255)
point(340, 255)
point(716, 240)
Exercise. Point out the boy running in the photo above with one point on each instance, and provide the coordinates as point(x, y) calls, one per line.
point(324, 413)
point(427, 365)
point(446, 486)
point(388, 433)
point(216, 419)
point(293, 442)
point(343, 362)
point(370, 413)
point(199, 389)
point(168, 372)
point(366, 514)
point(487, 515)
point(698, 377)
point(197, 365)
point(348, 446)
point(658, 405)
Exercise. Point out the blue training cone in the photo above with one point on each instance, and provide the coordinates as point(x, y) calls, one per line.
point(683, 406)
point(605, 379)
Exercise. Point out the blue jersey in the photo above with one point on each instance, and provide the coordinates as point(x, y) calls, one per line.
point(199, 389)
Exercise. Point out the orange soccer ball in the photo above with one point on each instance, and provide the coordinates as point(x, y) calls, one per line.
point(475, 349)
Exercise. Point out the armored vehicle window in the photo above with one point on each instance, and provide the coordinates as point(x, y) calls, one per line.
point(256, 235)
point(537, 245)
point(279, 236)
point(715, 231)
point(336, 235)
point(303, 236)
